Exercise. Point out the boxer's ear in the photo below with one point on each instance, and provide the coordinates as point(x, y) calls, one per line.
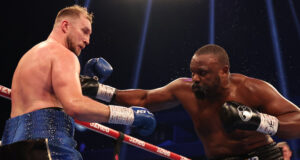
point(225, 69)
point(64, 25)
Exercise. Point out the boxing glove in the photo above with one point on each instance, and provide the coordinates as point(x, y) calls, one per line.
point(98, 67)
point(138, 117)
point(237, 116)
point(93, 89)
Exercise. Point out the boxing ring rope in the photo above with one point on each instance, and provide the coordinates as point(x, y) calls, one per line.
point(6, 93)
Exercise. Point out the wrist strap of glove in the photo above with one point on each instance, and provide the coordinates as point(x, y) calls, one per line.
point(268, 124)
point(120, 115)
point(105, 93)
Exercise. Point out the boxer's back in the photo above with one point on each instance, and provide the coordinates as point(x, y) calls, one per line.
point(31, 85)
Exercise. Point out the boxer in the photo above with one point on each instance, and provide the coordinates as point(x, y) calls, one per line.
point(46, 94)
point(234, 115)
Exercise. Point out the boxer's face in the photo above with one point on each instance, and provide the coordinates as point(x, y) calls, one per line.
point(204, 69)
point(79, 34)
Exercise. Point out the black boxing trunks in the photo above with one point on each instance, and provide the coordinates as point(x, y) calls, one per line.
point(267, 152)
point(50, 123)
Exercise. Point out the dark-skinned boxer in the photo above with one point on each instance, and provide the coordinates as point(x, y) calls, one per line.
point(234, 115)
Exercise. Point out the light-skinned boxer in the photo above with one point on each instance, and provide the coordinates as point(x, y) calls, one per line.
point(46, 94)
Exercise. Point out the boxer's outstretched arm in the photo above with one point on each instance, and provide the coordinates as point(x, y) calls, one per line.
point(155, 99)
point(275, 104)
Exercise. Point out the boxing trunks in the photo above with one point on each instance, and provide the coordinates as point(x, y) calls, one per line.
point(50, 123)
point(267, 152)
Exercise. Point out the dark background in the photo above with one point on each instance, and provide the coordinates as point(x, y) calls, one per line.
point(176, 29)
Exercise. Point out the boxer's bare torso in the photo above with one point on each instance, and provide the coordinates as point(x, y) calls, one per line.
point(206, 119)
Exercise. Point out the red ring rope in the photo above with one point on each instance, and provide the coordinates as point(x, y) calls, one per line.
point(6, 93)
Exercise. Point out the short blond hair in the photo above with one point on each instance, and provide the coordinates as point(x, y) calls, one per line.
point(74, 11)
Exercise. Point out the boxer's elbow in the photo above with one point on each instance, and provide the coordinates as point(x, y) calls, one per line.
point(289, 130)
point(289, 125)
point(72, 106)
point(142, 99)
point(71, 112)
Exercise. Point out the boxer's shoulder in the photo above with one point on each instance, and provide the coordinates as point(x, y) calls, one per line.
point(182, 81)
point(185, 79)
point(51, 52)
point(53, 48)
point(180, 84)
point(246, 82)
point(252, 88)
point(240, 78)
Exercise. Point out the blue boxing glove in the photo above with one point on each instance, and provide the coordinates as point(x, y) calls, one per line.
point(144, 120)
point(97, 70)
point(98, 67)
point(138, 117)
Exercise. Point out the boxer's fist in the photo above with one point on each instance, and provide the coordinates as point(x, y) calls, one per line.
point(98, 67)
point(237, 116)
point(138, 117)
point(144, 121)
point(89, 85)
